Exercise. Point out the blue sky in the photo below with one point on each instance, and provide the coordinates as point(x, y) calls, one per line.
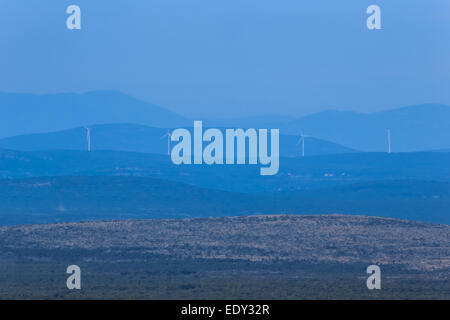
point(217, 58)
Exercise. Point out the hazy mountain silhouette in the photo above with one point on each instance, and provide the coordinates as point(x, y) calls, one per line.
point(258, 121)
point(31, 113)
point(139, 138)
point(414, 128)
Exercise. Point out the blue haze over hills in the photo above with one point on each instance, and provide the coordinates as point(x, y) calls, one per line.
point(303, 67)
point(79, 185)
point(128, 175)
point(139, 138)
point(414, 128)
point(228, 59)
point(42, 186)
point(29, 113)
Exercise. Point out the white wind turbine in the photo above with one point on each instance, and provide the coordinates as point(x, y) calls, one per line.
point(88, 138)
point(302, 141)
point(169, 136)
point(389, 139)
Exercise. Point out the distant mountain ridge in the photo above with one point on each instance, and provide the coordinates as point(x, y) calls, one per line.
point(140, 138)
point(31, 113)
point(413, 128)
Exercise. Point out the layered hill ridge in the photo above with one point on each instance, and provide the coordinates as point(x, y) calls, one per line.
point(139, 138)
point(71, 199)
point(294, 174)
point(31, 113)
point(413, 128)
point(323, 239)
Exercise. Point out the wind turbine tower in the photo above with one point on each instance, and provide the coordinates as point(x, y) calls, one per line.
point(169, 136)
point(389, 140)
point(302, 141)
point(303, 144)
point(88, 138)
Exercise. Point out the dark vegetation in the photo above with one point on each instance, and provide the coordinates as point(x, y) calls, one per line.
point(266, 257)
point(63, 199)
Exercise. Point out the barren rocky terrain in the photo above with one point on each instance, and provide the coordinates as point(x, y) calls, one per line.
point(314, 239)
point(253, 257)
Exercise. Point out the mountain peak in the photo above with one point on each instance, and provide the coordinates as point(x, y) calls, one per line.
point(32, 113)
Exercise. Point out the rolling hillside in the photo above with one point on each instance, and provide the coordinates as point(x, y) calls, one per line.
point(46, 200)
point(413, 128)
point(315, 239)
point(65, 199)
point(139, 138)
point(295, 173)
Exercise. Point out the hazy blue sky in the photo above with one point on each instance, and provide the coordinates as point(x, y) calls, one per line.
point(227, 58)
